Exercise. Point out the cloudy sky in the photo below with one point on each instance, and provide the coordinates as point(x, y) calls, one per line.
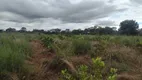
point(70, 14)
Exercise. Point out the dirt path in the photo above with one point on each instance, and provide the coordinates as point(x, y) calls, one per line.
point(40, 55)
point(41, 61)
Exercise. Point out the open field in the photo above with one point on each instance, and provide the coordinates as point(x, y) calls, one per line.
point(28, 56)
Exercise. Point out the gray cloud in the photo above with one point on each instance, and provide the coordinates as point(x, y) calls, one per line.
point(111, 1)
point(8, 16)
point(45, 14)
point(106, 23)
point(57, 9)
point(136, 1)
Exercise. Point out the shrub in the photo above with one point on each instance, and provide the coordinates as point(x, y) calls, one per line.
point(63, 48)
point(47, 41)
point(81, 46)
point(62, 37)
point(83, 72)
point(99, 49)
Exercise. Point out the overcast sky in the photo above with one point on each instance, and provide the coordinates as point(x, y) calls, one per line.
point(70, 14)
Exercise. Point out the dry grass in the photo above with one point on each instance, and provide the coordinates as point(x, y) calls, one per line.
point(126, 76)
point(125, 59)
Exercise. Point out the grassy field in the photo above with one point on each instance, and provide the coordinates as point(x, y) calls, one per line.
point(25, 56)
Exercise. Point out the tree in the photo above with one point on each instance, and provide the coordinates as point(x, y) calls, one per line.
point(100, 30)
point(38, 30)
point(1, 30)
point(10, 30)
point(23, 29)
point(129, 27)
point(67, 30)
point(77, 31)
point(55, 31)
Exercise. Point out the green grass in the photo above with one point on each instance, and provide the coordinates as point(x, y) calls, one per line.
point(13, 52)
point(81, 47)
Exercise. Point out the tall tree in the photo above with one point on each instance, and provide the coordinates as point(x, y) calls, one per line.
point(77, 31)
point(23, 29)
point(10, 30)
point(129, 27)
point(1, 30)
point(38, 30)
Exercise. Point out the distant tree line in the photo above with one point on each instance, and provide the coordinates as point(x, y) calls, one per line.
point(127, 27)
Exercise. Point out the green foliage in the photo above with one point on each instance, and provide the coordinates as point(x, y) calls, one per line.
point(48, 41)
point(62, 37)
point(129, 27)
point(66, 75)
point(83, 72)
point(99, 49)
point(13, 52)
point(112, 74)
point(81, 46)
point(62, 48)
point(97, 66)
point(86, 73)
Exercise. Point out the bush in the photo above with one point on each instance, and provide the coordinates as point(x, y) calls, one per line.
point(62, 37)
point(99, 49)
point(81, 46)
point(86, 73)
point(47, 41)
point(63, 48)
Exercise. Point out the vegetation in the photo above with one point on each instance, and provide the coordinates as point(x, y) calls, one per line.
point(129, 27)
point(86, 73)
point(13, 52)
point(72, 55)
point(81, 46)
point(47, 41)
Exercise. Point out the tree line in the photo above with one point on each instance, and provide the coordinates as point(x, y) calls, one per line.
point(126, 27)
